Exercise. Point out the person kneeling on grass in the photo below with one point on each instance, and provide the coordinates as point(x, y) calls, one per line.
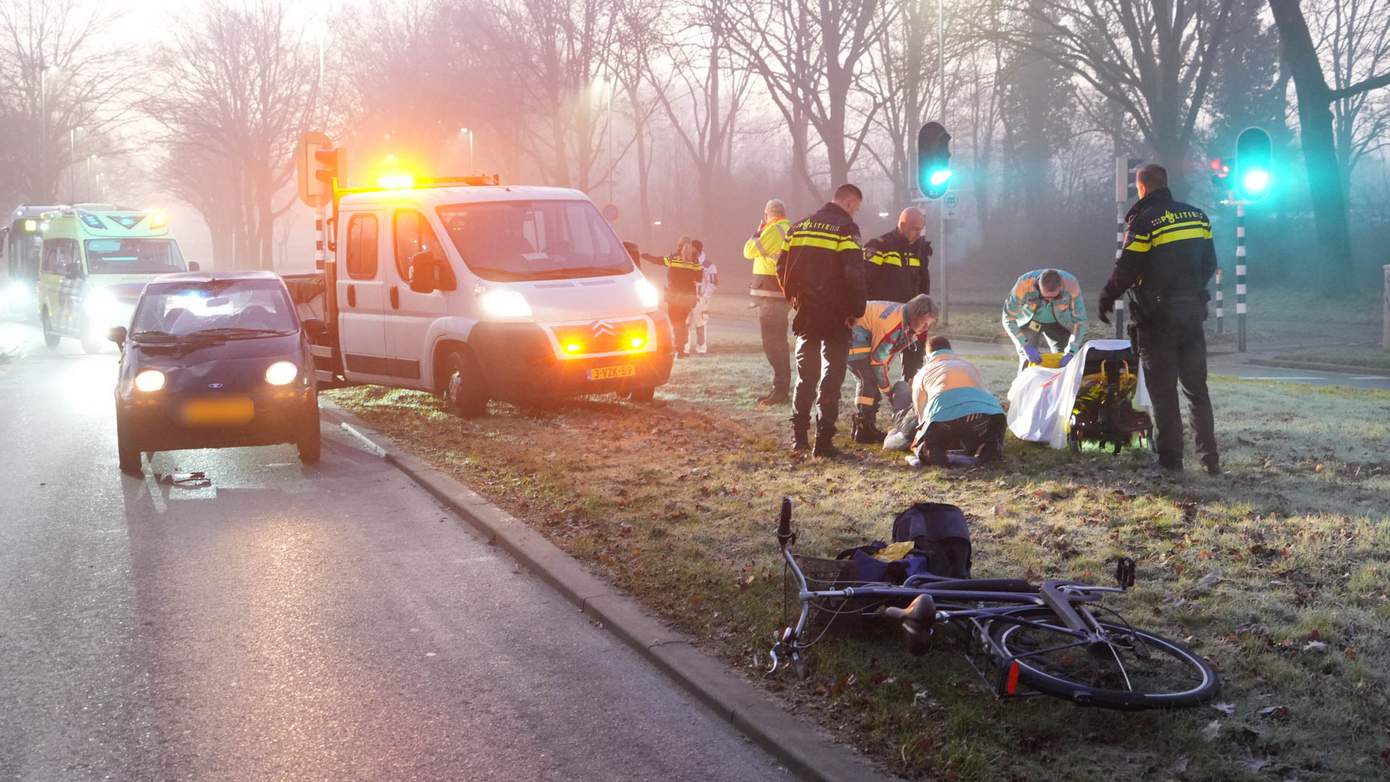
point(886, 329)
point(954, 409)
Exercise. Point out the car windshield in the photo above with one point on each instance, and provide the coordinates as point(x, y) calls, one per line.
point(228, 308)
point(534, 240)
point(134, 256)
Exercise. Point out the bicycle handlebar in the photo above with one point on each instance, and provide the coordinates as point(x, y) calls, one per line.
point(784, 521)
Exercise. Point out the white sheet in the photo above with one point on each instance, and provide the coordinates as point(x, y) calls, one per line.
point(1041, 399)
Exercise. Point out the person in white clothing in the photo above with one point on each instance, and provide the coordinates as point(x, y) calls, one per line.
point(704, 291)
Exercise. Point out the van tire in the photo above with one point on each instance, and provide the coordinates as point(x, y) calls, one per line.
point(128, 455)
point(642, 394)
point(464, 391)
point(310, 442)
point(51, 338)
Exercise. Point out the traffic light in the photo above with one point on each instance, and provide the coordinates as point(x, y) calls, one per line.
point(1254, 175)
point(317, 166)
point(1220, 171)
point(1126, 187)
point(933, 160)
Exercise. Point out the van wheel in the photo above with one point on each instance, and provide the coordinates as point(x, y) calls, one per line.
point(642, 394)
point(310, 439)
point(50, 337)
point(129, 455)
point(464, 392)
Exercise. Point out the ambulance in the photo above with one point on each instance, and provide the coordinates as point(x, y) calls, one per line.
point(480, 291)
point(96, 259)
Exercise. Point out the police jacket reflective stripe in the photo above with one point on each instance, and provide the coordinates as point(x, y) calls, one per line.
point(1167, 260)
point(764, 250)
point(896, 269)
point(821, 271)
point(682, 276)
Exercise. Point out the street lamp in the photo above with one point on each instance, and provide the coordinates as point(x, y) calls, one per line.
point(72, 164)
point(463, 131)
point(44, 68)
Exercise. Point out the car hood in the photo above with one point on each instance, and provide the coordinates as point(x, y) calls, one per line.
point(232, 365)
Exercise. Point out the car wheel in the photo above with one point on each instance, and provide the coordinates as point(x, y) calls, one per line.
point(51, 338)
point(310, 440)
point(642, 394)
point(128, 454)
point(464, 391)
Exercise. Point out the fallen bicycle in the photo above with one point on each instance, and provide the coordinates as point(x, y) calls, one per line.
point(1054, 639)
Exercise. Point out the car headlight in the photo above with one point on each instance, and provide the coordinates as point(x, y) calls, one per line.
point(99, 303)
point(149, 380)
point(505, 304)
point(281, 373)
point(647, 293)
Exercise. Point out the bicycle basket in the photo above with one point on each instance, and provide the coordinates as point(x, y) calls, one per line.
point(837, 616)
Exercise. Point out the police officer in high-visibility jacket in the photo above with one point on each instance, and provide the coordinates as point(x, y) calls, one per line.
point(1167, 260)
point(822, 275)
point(763, 249)
point(896, 270)
point(1045, 306)
point(886, 329)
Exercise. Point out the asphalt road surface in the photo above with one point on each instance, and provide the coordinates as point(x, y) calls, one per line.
point(271, 621)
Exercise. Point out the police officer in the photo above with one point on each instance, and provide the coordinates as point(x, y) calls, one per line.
point(821, 272)
point(896, 270)
point(1167, 260)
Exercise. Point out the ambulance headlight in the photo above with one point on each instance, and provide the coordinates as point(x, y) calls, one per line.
point(501, 303)
point(100, 304)
point(647, 294)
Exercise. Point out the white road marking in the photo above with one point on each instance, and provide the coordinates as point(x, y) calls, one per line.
point(1287, 377)
point(1370, 377)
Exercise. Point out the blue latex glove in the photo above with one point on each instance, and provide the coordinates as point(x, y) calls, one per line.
point(1031, 353)
point(1066, 359)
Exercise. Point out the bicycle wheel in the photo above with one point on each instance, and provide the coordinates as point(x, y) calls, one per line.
point(1129, 670)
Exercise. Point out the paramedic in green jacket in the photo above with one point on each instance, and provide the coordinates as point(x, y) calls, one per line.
point(1045, 306)
point(886, 329)
point(763, 248)
point(954, 409)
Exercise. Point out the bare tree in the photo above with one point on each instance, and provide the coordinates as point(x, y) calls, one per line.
point(1318, 138)
point(1353, 39)
point(238, 87)
point(58, 86)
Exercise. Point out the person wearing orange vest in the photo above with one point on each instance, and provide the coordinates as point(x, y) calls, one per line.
point(954, 409)
point(763, 249)
point(1045, 306)
point(886, 329)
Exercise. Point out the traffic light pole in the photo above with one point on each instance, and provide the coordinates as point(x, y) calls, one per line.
point(320, 253)
point(1240, 276)
point(945, 289)
point(1119, 250)
point(1220, 303)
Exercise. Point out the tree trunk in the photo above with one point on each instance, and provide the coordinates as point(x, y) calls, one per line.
point(1318, 141)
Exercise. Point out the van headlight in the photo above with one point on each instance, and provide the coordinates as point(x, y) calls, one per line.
point(281, 373)
point(647, 293)
point(100, 303)
point(149, 381)
point(501, 303)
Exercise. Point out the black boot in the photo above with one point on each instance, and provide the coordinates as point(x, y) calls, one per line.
point(865, 430)
point(800, 443)
point(825, 446)
point(778, 396)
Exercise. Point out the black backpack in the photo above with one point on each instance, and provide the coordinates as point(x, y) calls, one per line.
point(941, 532)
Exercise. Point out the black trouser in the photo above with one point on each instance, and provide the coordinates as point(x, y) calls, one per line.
point(820, 371)
point(912, 359)
point(1053, 336)
point(979, 434)
point(678, 307)
point(1174, 351)
point(772, 320)
point(867, 395)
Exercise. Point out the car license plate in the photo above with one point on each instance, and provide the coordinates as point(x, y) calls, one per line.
point(227, 411)
point(608, 373)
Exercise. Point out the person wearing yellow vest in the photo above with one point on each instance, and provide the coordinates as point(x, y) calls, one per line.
point(683, 275)
point(886, 329)
point(1045, 306)
point(763, 249)
point(954, 409)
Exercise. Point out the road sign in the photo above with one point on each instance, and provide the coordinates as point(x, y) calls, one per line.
point(951, 203)
point(313, 191)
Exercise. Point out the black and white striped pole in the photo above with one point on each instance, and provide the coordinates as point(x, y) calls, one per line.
point(1120, 228)
point(1220, 303)
point(1240, 276)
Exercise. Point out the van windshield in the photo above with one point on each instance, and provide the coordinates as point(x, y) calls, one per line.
point(534, 240)
point(134, 256)
point(224, 307)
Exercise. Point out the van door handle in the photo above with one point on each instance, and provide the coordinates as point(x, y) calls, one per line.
point(395, 298)
point(352, 296)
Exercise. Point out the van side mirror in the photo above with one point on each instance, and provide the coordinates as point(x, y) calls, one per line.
point(193, 266)
point(316, 329)
point(117, 334)
point(422, 272)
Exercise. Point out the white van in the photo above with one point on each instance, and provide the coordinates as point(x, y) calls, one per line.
point(479, 292)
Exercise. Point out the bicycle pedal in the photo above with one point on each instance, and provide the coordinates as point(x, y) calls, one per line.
point(1124, 572)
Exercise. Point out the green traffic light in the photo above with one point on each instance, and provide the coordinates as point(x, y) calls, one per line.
point(939, 177)
point(1255, 182)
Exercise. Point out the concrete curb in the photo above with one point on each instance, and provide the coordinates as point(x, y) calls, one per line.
point(806, 753)
point(1316, 366)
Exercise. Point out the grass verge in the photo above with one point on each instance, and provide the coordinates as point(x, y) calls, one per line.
point(1370, 358)
point(1277, 572)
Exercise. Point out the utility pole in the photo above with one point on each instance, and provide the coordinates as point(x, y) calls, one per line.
point(43, 127)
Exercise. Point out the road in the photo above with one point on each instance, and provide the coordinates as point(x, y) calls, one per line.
point(270, 621)
point(1228, 364)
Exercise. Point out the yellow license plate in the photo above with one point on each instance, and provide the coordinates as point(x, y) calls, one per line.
point(608, 373)
point(230, 411)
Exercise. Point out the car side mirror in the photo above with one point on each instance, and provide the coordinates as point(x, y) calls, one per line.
point(193, 266)
point(316, 329)
point(422, 273)
point(117, 334)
